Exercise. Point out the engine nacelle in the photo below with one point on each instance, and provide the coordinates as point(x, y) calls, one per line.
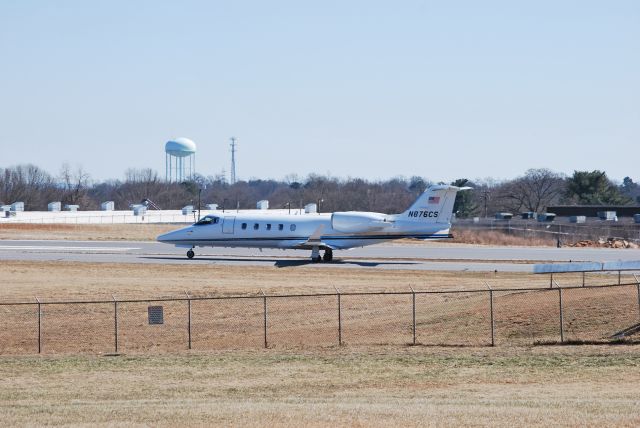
point(358, 222)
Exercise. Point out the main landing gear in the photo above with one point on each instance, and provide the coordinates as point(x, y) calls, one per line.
point(316, 258)
point(190, 253)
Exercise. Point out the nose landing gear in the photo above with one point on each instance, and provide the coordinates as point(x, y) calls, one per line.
point(315, 255)
point(190, 254)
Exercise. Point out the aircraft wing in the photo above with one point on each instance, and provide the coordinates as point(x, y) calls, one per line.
point(315, 240)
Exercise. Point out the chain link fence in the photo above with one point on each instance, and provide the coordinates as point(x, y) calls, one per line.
point(560, 229)
point(484, 317)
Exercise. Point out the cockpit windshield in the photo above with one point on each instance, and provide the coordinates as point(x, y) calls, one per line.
point(207, 220)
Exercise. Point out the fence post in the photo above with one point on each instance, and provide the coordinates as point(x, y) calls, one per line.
point(115, 322)
point(413, 295)
point(638, 288)
point(264, 301)
point(339, 316)
point(188, 317)
point(493, 326)
point(561, 316)
point(39, 325)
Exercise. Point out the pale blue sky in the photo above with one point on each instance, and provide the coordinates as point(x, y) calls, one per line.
point(371, 89)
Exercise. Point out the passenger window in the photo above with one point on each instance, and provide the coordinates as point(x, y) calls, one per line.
point(292, 227)
point(256, 226)
point(244, 226)
point(281, 227)
point(268, 226)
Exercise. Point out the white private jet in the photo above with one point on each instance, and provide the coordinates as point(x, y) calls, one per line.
point(428, 218)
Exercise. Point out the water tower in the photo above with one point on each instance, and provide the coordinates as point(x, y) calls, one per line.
point(180, 159)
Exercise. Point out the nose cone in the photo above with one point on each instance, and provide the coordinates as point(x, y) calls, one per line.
point(173, 237)
point(164, 238)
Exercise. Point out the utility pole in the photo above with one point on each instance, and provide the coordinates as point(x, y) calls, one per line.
point(485, 196)
point(233, 160)
point(200, 189)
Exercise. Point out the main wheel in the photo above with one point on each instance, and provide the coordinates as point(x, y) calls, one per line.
point(328, 255)
point(316, 259)
point(190, 254)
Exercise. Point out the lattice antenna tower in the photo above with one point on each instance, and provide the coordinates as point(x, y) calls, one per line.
point(233, 160)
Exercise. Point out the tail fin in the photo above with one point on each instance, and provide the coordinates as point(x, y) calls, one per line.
point(435, 205)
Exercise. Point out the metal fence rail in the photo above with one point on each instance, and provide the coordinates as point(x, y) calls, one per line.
point(483, 317)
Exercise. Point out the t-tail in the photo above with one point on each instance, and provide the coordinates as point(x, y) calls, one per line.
point(434, 206)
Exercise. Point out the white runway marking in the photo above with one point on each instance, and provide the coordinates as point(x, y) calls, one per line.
point(56, 248)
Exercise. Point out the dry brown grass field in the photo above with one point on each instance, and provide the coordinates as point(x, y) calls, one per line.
point(304, 378)
point(493, 237)
point(84, 232)
point(522, 317)
point(50, 281)
point(351, 386)
point(463, 318)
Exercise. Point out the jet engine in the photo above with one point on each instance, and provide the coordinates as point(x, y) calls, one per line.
point(359, 222)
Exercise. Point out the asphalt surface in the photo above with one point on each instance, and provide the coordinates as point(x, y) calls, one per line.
point(385, 256)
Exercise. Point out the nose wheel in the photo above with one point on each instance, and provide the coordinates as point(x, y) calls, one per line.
point(315, 255)
point(190, 254)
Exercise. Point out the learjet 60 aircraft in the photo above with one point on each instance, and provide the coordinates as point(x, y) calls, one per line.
point(428, 218)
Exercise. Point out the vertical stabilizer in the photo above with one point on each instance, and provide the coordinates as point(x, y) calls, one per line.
point(435, 205)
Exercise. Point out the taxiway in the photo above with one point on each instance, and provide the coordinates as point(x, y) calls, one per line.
point(386, 256)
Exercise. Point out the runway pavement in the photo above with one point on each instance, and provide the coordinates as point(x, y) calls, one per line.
point(386, 256)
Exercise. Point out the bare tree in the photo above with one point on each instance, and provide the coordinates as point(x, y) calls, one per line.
point(76, 187)
point(534, 191)
point(26, 183)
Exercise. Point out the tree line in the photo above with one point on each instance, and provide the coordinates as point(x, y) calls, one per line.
point(532, 191)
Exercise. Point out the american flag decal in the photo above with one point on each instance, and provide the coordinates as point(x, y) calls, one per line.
point(434, 199)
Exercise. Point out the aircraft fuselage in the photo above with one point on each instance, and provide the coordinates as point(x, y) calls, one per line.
point(286, 231)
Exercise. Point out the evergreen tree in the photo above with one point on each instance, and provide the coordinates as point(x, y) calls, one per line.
point(464, 205)
point(594, 188)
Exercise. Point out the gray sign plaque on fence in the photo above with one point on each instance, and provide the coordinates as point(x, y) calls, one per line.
point(155, 315)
